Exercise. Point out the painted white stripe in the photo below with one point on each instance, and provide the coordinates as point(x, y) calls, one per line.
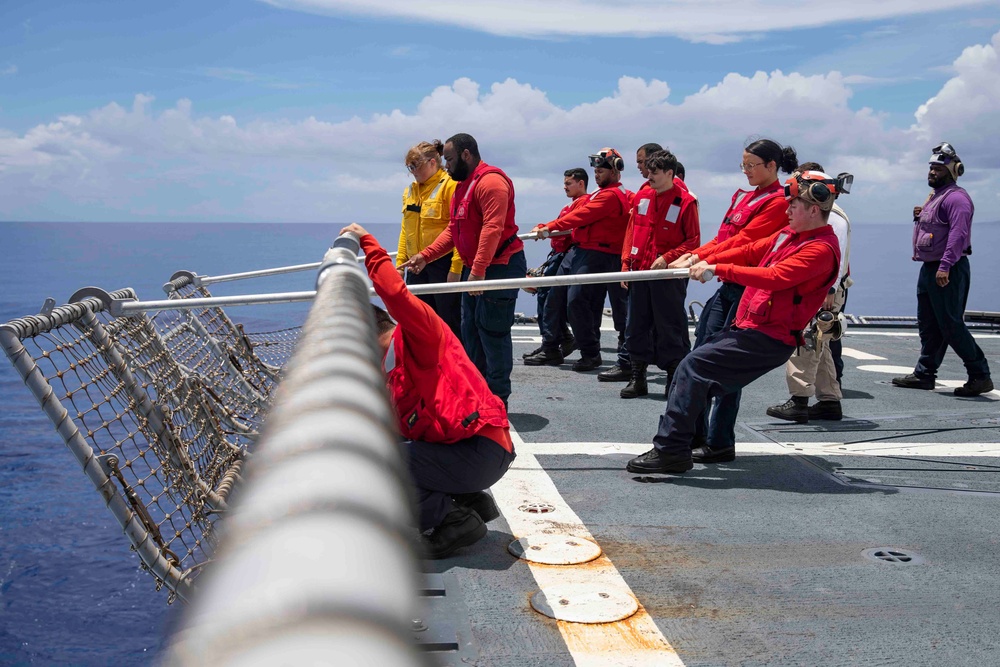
point(907, 334)
point(892, 370)
point(634, 642)
point(930, 449)
point(859, 355)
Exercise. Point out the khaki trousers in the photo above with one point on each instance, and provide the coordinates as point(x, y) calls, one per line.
point(810, 372)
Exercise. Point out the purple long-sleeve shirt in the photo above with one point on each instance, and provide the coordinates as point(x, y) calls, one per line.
point(944, 229)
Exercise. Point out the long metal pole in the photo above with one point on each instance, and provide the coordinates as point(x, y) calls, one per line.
point(126, 307)
point(281, 270)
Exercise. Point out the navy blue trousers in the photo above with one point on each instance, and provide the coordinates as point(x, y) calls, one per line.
point(554, 327)
point(657, 329)
point(585, 303)
point(440, 471)
point(447, 306)
point(719, 368)
point(718, 426)
point(486, 323)
point(941, 321)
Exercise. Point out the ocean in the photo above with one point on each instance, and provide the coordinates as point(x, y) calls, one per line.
point(71, 593)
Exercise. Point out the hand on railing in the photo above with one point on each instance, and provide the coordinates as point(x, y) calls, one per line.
point(416, 264)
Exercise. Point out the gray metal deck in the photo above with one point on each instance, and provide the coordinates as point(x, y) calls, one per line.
point(766, 560)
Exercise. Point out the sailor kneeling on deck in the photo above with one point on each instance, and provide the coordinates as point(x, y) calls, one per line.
point(787, 276)
point(456, 437)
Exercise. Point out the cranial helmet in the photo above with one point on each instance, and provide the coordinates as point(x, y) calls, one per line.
point(607, 158)
point(945, 154)
point(817, 187)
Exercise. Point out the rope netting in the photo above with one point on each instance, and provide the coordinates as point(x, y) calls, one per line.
point(161, 413)
point(264, 353)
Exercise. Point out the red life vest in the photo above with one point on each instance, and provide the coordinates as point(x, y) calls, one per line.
point(444, 403)
point(654, 223)
point(467, 219)
point(745, 205)
point(783, 314)
point(607, 234)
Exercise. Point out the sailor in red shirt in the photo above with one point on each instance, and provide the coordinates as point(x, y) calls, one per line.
point(483, 231)
point(787, 277)
point(598, 228)
point(753, 214)
point(455, 430)
point(553, 322)
point(663, 226)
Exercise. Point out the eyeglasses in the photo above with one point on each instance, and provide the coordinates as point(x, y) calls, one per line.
point(413, 166)
point(747, 168)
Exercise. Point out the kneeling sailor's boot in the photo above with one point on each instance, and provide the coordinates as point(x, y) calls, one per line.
point(637, 385)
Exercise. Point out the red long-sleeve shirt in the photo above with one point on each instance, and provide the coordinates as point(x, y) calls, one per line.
point(772, 217)
point(424, 333)
point(493, 193)
point(808, 268)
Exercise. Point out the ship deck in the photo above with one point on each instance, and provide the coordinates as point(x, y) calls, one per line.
point(768, 560)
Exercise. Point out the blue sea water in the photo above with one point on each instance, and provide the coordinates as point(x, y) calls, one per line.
point(71, 592)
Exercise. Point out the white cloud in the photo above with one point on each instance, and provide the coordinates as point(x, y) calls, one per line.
point(173, 163)
point(9, 70)
point(712, 21)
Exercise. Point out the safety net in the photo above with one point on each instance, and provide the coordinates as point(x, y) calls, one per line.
point(160, 411)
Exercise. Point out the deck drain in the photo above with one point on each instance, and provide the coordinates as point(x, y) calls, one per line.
point(893, 555)
point(584, 603)
point(537, 508)
point(554, 549)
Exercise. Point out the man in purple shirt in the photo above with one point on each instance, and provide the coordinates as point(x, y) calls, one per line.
point(942, 240)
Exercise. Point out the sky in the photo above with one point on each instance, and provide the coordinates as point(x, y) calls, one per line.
point(303, 110)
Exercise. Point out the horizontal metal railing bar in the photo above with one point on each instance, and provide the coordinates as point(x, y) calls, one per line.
point(281, 270)
point(128, 307)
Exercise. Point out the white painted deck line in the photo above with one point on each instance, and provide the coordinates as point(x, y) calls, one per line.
point(633, 642)
point(935, 449)
point(859, 355)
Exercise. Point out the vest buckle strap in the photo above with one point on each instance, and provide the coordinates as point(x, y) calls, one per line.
point(503, 246)
point(471, 418)
point(415, 208)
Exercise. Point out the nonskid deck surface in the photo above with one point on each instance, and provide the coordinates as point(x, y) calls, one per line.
point(776, 558)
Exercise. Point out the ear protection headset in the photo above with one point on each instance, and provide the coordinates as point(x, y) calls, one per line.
point(608, 158)
point(818, 187)
point(945, 154)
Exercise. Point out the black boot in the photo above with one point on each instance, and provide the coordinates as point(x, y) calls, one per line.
point(568, 344)
point(653, 461)
point(615, 374)
point(460, 528)
point(537, 350)
point(795, 409)
point(481, 502)
point(545, 358)
point(637, 385)
point(826, 410)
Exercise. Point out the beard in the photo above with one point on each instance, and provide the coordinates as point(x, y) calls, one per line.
point(460, 172)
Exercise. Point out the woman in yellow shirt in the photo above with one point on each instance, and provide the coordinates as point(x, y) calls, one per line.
point(426, 213)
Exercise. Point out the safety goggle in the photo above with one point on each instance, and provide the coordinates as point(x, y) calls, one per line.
point(811, 185)
point(604, 159)
point(943, 153)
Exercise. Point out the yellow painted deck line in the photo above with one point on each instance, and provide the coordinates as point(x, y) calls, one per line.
point(633, 642)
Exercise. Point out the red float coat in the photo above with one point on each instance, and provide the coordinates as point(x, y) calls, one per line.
point(787, 277)
point(662, 224)
point(752, 215)
point(482, 222)
point(438, 394)
point(563, 243)
point(598, 224)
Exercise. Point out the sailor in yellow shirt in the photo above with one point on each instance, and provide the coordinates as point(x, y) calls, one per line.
point(426, 213)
